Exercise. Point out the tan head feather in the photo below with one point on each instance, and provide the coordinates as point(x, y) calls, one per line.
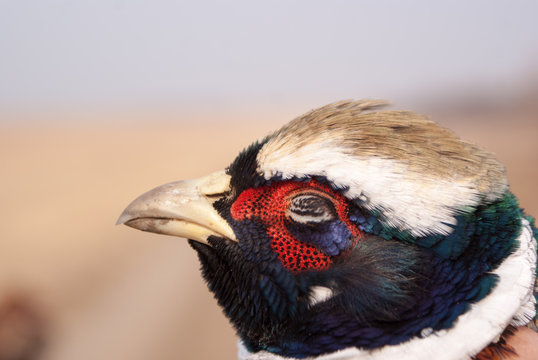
point(414, 161)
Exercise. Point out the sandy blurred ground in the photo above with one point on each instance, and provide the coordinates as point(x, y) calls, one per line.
point(91, 290)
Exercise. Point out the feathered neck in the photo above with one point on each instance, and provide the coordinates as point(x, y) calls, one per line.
point(510, 303)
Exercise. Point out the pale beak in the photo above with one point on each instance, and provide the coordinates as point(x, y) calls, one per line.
point(182, 208)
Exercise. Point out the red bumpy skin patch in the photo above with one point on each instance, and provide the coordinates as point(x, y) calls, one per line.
point(269, 204)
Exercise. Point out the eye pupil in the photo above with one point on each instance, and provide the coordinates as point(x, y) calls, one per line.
point(310, 209)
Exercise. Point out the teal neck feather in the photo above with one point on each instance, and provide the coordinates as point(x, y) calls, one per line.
point(495, 224)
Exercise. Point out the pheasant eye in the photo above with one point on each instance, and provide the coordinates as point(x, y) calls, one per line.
point(310, 209)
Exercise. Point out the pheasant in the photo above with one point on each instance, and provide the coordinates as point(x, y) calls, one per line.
point(355, 232)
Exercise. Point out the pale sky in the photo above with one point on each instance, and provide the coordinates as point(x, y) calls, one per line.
point(95, 52)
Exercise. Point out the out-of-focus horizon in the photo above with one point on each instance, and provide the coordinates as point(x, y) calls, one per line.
point(103, 100)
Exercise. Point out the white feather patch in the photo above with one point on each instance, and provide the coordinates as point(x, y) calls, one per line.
point(320, 294)
point(417, 203)
point(508, 303)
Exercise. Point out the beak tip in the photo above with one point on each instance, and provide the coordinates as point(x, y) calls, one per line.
point(181, 209)
point(123, 219)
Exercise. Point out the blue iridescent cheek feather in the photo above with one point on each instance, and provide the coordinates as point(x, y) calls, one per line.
point(330, 237)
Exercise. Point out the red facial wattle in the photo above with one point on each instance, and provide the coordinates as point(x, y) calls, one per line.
point(269, 204)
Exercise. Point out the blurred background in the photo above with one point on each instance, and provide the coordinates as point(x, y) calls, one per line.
point(103, 100)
